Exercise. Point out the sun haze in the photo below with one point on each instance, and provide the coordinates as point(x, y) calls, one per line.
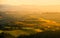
point(30, 2)
point(46, 5)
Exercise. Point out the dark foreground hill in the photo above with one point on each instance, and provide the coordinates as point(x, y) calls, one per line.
point(46, 34)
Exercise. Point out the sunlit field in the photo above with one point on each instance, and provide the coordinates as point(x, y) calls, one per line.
point(16, 25)
point(29, 18)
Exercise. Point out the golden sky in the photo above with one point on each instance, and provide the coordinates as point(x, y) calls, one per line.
point(30, 2)
point(47, 5)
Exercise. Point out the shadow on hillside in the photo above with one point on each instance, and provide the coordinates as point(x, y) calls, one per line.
point(47, 34)
point(6, 35)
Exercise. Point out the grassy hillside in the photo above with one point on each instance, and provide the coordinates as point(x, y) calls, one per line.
point(51, 16)
point(29, 24)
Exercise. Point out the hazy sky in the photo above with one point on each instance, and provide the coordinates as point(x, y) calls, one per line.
point(30, 2)
point(48, 5)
